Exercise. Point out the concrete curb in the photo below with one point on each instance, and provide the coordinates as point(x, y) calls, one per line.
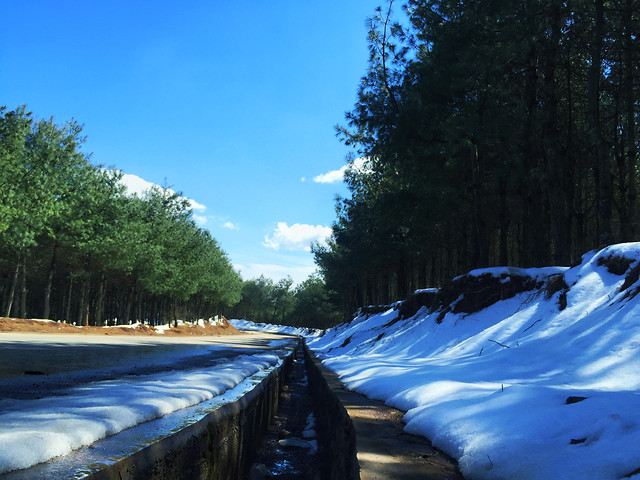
point(217, 447)
point(341, 434)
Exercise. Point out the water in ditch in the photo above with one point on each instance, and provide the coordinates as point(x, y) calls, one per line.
point(292, 448)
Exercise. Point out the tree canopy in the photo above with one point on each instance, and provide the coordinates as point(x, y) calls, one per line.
point(74, 246)
point(309, 304)
point(494, 133)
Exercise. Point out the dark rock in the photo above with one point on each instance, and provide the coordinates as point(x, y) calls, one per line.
point(616, 264)
point(421, 298)
point(632, 277)
point(472, 293)
point(442, 314)
point(555, 284)
point(575, 399)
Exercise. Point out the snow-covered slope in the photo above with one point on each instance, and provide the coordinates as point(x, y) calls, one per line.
point(542, 385)
point(268, 327)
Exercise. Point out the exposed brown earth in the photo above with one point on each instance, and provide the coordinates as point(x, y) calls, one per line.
point(384, 450)
point(50, 326)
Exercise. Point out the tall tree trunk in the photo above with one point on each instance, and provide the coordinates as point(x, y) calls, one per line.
point(629, 225)
point(83, 308)
point(141, 311)
point(174, 305)
point(23, 289)
point(551, 140)
point(99, 310)
point(67, 316)
point(46, 310)
point(12, 290)
point(571, 159)
point(603, 173)
point(129, 303)
point(480, 256)
point(534, 229)
point(504, 224)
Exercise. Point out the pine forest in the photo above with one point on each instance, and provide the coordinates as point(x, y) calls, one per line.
point(487, 133)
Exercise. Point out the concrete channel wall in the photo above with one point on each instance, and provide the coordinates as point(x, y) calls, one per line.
point(217, 447)
point(220, 445)
point(340, 432)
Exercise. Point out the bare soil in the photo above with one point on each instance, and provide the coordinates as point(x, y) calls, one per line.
point(50, 326)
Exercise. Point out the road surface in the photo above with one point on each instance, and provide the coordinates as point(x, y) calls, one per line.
point(34, 365)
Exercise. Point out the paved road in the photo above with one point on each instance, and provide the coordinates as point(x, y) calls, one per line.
point(37, 365)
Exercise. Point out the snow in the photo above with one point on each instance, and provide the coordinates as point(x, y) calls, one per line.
point(242, 324)
point(34, 431)
point(490, 388)
point(161, 329)
point(426, 290)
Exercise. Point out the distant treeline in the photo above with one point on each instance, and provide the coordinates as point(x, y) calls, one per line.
point(75, 247)
point(307, 305)
point(495, 133)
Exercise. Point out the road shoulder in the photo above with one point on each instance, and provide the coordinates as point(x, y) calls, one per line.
point(384, 449)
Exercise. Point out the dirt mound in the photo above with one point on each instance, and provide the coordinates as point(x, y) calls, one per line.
point(421, 298)
point(472, 293)
point(50, 326)
point(208, 329)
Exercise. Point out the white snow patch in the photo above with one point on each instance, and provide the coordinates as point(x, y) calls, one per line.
point(490, 388)
point(34, 431)
point(267, 327)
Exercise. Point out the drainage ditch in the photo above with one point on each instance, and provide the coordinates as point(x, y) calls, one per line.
point(295, 445)
point(287, 424)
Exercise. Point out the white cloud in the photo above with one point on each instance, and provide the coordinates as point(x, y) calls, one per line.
point(201, 220)
point(138, 186)
point(230, 226)
point(135, 185)
point(296, 237)
point(196, 206)
point(335, 176)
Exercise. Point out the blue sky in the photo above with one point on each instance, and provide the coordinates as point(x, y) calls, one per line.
point(232, 103)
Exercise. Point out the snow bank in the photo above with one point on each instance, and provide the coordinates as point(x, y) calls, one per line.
point(268, 327)
point(34, 431)
point(542, 385)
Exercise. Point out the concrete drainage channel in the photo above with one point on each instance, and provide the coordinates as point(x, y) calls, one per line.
point(217, 439)
point(311, 437)
point(210, 440)
point(216, 447)
point(340, 434)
